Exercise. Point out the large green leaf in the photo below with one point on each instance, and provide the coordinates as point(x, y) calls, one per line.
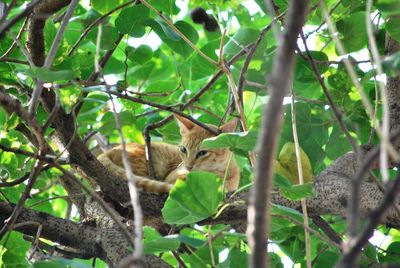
point(354, 31)
point(194, 199)
point(131, 20)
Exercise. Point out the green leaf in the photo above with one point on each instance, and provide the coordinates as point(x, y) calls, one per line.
point(109, 124)
point(392, 256)
point(326, 259)
point(281, 210)
point(393, 28)
point(162, 86)
point(47, 75)
point(337, 144)
point(17, 247)
point(299, 191)
point(166, 6)
point(9, 162)
point(304, 72)
point(109, 35)
point(242, 37)
point(282, 182)
point(161, 244)
point(141, 54)
point(354, 31)
point(244, 141)
point(72, 32)
point(105, 6)
point(190, 241)
point(388, 7)
point(236, 259)
point(178, 44)
point(12, 122)
point(168, 31)
point(131, 20)
point(194, 199)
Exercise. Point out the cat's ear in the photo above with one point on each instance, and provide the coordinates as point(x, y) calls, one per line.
point(229, 127)
point(184, 124)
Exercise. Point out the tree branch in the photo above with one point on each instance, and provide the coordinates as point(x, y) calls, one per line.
point(280, 82)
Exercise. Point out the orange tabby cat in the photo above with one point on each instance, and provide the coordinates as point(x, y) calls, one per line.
point(173, 162)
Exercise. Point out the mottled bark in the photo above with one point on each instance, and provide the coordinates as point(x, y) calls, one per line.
point(393, 87)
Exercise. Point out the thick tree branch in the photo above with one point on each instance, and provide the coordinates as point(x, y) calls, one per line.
point(393, 88)
point(107, 244)
point(280, 82)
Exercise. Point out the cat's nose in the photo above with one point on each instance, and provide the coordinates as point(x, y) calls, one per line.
point(189, 167)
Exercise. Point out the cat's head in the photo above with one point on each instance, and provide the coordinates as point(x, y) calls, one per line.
point(196, 157)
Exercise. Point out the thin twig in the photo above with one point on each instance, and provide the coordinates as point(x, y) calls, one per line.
point(356, 82)
point(133, 192)
point(7, 10)
point(20, 205)
point(196, 97)
point(170, 24)
point(50, 57)
point(209, 238)
point(54, 111)
point(327, 229)
point(25, 52)
point(242, 76)
point(301, 181)
point(35, 241)
point(239, 107)
point(334, 108)
point(9, 50)
point(170, 108)
point(280, 82)
point(323, 22)
point(308, 229)
point(96, 22)
point(28, 9)
point(349, 257)
point(14, 61)
point(107, 208)
point(20, 180)
point(385, 107)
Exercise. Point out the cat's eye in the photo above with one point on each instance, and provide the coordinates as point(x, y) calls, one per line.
point(201, 153)
point(182, 149)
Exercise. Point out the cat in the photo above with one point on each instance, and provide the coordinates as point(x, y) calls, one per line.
point(172, 162)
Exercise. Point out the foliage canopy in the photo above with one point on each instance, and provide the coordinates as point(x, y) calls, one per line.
point(150, 69)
